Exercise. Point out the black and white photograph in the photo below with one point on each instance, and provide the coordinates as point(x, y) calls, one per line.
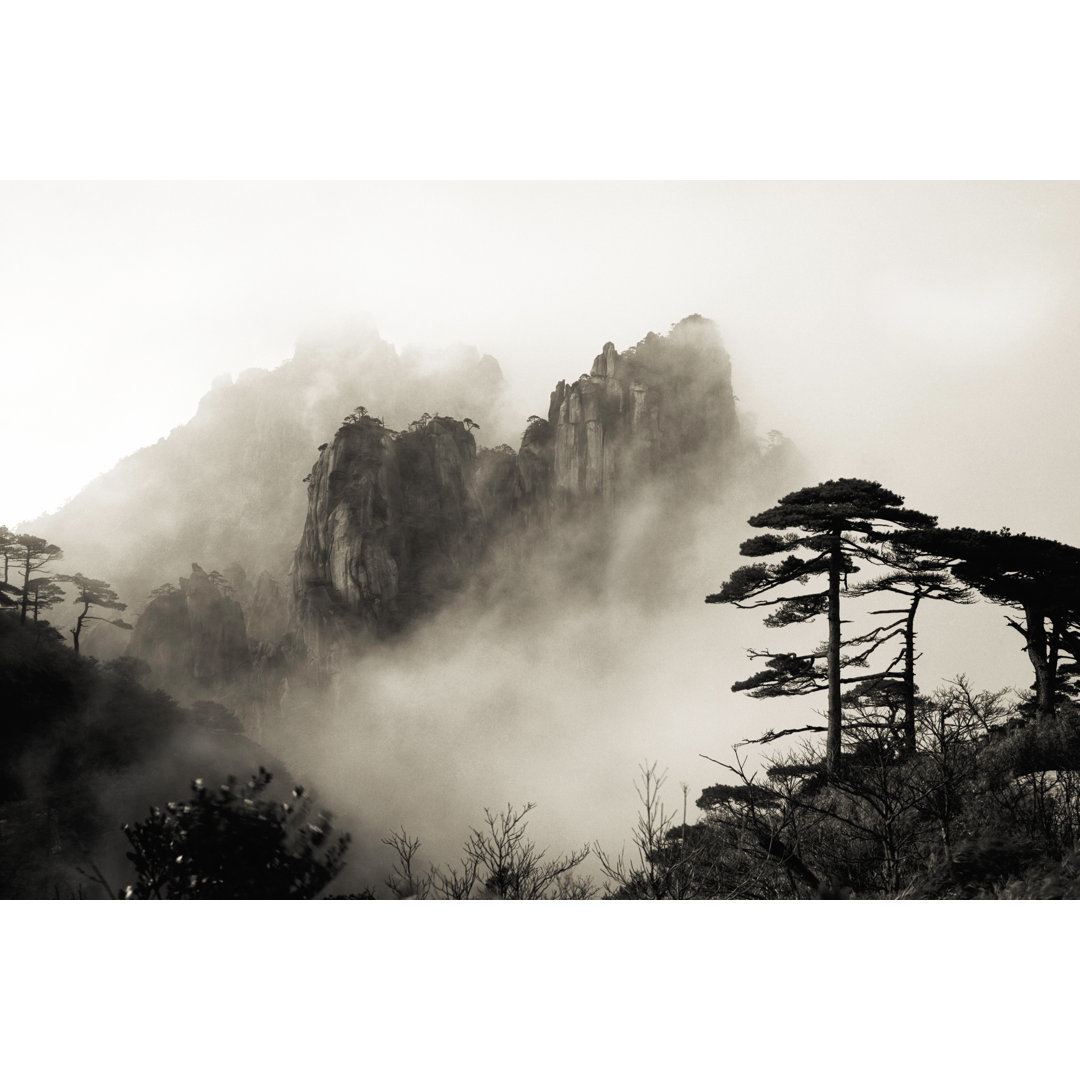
point(576, 454)
point(632, 540)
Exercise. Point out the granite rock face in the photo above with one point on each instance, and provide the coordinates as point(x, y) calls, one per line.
point(266, 605)
point(267, 612)
point(639, 413)
point(397, 522)
point(226, 487)
point(394, 523)
point(193, 637)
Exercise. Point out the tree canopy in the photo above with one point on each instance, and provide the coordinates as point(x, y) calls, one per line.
point(234, 843)
point(1039, 577)
point(93, 593)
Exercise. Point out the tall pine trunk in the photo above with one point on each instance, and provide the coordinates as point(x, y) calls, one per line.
point(25, 588)
point(909, 677)
point(832, 745)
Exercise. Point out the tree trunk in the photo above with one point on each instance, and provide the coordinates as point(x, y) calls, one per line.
point(1038, 654)
point(26, 588)
point(832, 744)
point(78, 626)
point(909, 677)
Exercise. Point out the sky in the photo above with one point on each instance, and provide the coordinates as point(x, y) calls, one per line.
point(923, 334)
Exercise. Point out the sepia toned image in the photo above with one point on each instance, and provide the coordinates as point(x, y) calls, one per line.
point(540, 540)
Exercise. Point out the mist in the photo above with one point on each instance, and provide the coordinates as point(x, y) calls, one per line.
point(921, 335)
point(888, 328)
point(552, 686)
point(567, 674)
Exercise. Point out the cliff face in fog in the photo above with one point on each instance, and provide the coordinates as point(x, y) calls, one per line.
point(394, 522)
point(397, 521)
point(193, 637)
point(227, 486)
point(642, 412)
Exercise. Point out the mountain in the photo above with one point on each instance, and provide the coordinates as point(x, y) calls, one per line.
point(642, 413)
point(193, 636)
point(394, 519)
point(398, 521)
point(421, 622)
point(227, 487)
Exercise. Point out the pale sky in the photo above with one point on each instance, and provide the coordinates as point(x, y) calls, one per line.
point(921, 334)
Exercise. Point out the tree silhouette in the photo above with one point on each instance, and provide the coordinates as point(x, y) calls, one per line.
point(837, 522)
point(164, 590)
point(500, 858)
point(93, 593)
point(7, 549)
point(1038, 577)
point(917, 577)
point(8, 592)
point(31, 553)
point(44, 593)
point(234, 844)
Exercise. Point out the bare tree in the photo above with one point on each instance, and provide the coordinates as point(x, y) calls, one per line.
point(670, 862)
point(499, 858)
point(508, 863)
point(403, 881)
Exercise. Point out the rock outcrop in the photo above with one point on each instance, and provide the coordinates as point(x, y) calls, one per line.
point(397, 522)
point(639, 413)
point(266, 605)
point(226, 487)
point(394, 523)
point(193, 637)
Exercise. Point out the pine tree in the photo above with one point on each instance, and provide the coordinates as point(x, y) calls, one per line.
point(93, 593)
point(1040, 578)
point(836, 523)
point(918, 577)
point(31, 553)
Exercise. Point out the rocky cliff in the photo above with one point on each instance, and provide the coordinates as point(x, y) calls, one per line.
point(640, 413)
point(265, 604)
point(227, 486)
point(397, 522)
point(194, 637)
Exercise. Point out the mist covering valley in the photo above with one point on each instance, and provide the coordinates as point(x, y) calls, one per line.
point(455, 613)
point(574, 649)
point(430, 581)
